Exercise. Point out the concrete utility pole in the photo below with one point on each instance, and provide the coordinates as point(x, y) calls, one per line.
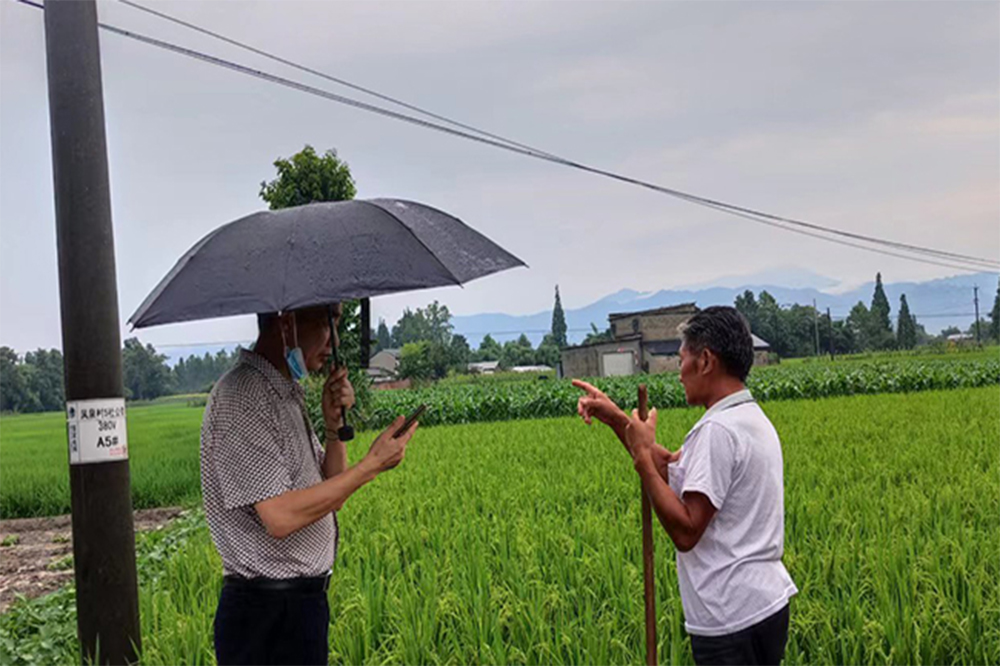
point(975, 299)
point(103, 532)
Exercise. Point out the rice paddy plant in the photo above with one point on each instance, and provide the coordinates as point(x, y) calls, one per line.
point(520, 543)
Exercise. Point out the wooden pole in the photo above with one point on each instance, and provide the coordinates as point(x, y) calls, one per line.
point(647, 552)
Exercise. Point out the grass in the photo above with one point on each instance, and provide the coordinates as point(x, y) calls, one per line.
point(163, 453)
point(518, 542)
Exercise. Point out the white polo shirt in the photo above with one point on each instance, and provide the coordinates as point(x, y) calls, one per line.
point(733, 578)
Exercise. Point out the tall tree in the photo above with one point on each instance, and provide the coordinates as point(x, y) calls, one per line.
point(994, 330)
point(906, 328)
point(597, 335)
point(145, 372)
point(383, 338)
point(880, 325)
point(489, 349)
point(558, 322)
point(747, 305)
point(857, 322)
point(548, 352)
point(305, 178)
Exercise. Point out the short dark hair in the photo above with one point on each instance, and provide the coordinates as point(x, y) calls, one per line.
point(726, 332)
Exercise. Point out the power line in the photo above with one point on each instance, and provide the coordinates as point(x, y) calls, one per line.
point(692, 198)
point(965, 262)
point(323, 75)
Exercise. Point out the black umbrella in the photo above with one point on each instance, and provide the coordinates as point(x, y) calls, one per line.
point(320, 253)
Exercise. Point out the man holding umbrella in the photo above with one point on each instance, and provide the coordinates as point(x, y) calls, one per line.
point(271, 492)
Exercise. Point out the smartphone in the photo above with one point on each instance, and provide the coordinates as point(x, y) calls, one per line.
point(409, 421)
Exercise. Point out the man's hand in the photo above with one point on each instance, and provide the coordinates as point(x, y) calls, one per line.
point(640, 436)
point(387, 451)
point(337, 393)
point(597, 405)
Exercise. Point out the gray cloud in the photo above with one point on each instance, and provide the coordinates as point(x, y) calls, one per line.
point(875, 117)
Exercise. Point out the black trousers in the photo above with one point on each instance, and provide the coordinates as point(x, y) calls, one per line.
point(762, 643)
point(263, 626)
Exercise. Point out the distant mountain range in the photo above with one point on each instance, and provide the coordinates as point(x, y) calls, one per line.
point(937, 304)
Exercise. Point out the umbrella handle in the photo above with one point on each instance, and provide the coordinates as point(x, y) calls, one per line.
point(345, 432)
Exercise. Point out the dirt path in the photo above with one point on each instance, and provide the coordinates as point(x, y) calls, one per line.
point(35, 557)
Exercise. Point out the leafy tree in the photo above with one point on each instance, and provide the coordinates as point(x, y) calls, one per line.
point(308, 177)
point(558, 322)
point(517, 352)
point(145, 372)
point(15, 395)
point(879, 334)
point(596, 335)
point(438, 320)
point(415, 361)
point(858, 322)
point(747, 305)
point(906, 328)
point(305, 178)
point(548, 352)
point(411, 327)
point(489, 349)
point(951, 330)
point(459, 353)
point(383, 339)
point(46, 380)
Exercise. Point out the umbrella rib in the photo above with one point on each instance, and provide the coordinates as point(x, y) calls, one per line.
point(422, 243)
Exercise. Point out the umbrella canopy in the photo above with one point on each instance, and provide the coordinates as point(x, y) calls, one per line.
point(320, 253)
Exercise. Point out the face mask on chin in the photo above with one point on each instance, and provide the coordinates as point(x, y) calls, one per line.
point(294, 357)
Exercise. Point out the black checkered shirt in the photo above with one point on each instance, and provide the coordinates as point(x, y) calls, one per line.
point(256, 444)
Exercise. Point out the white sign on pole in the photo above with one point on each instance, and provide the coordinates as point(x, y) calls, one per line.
point(96, 430)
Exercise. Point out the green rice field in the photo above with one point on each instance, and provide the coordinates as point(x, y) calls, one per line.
point(519, 542)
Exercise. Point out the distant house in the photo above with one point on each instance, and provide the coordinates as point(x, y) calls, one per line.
point(484, 367)
point(647, 341)
point(384, 366)
point(960, 337)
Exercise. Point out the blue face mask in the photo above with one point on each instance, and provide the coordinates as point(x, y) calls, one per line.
point(296, 363)
point(294, 358)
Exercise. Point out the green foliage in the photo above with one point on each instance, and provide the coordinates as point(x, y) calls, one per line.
point(10, 540)
point(34, 384)
point(879, 333)
point(383, 339)
point(197, 374)
point(596, 335)
point(906, 329)
point(558, 322)
point(308, 177)
point(489, 349)
point(145, 372)
point(415, 361)
point(502, 401)
point(431, 324)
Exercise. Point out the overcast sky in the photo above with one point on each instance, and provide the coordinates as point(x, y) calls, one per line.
point(882, 118)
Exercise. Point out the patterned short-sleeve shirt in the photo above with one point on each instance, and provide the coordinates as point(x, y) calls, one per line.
point(256, 444)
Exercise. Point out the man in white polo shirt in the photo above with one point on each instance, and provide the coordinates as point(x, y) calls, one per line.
point(720, 497)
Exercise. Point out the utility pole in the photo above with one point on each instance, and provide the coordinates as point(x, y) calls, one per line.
point(103, 532)
point(816, 326)
point(975, 299)
point(829, 324)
